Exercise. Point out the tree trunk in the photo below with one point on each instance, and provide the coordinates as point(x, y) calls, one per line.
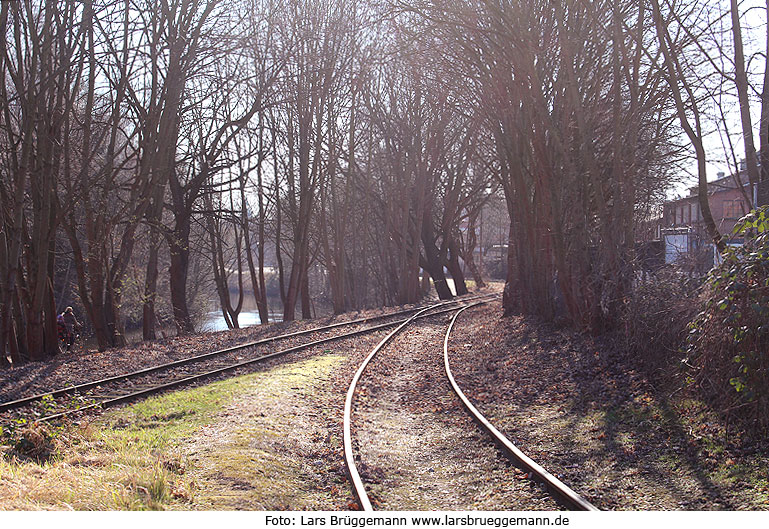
point(19, 351)
point(511, 294)
point(36, 335)
point(434, 265)
point(470, 243)
point(306, 308)
point(180, 263)
point(763, 130)
point(149, 320)
point(741, 80)
point(455, 269)
point(299, 267)
point(257, 278)
point(51, 326)
point(114, 321)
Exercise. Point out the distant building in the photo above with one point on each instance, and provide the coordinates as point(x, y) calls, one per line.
point(727, 204)
point(683, 229)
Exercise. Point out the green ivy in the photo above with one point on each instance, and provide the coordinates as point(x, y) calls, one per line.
point(730, 336)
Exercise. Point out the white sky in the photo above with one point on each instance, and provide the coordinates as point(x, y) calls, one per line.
point(753, 22)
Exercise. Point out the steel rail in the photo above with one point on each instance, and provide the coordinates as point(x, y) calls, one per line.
point(133, 374)
point(358, 487)
point(186, 380)
point(556, 487)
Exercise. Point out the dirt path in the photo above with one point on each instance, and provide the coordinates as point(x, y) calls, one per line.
point(279, 444)
point(418, 449)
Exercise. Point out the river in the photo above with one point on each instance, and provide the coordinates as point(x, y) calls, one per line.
point(214, 320)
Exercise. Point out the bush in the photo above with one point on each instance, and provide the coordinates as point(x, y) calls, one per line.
point(728, 341)
point(656, 317)
point(30, 441)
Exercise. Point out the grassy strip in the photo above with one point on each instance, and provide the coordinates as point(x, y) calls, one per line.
point(134, 457)
point(688, 439)
point(277, 449)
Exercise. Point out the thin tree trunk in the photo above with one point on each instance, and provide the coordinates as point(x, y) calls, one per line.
point(470, 243)
point(763, 131)
point(306, 309)
point(149, 318)
point(257, 278)
point(676, 76)
point(741, 80)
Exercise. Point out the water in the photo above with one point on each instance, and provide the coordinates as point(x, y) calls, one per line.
point(214, 321)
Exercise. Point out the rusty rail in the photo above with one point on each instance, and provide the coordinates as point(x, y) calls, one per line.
point(131, 395)
point(185, 361)
point(560, 491)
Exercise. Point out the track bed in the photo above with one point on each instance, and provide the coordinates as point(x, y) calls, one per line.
point(418, 448)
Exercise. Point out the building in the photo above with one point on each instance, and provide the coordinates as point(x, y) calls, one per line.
point(727, 204)
point(683, 230)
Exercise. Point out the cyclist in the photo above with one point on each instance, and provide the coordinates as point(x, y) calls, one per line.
point(71, 326)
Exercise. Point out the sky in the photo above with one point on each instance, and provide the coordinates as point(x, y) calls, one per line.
point(753, 22)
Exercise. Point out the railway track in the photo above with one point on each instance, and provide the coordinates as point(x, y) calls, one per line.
point(105, 392)
point(557, 489)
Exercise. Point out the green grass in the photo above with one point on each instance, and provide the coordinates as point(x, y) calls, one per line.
point(687, 421)
point(134, 457)
point(159, 422)
point(126, 460)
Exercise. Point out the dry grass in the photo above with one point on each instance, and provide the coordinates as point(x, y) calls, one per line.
point(127, 459)
point(248, 442)
point(271, 449)
point(86, 472)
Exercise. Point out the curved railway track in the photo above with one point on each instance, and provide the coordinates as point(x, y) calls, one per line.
point(557, 489)
point(125, 387)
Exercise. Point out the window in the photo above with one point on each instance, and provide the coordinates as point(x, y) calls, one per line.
point(733, 209)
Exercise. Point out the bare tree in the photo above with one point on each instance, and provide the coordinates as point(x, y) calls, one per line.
point(42, 59)
point(577, 113)
point(679, 81)
point(315, 34)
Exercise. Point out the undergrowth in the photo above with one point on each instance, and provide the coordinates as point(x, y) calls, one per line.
point(657, 315)
point(710, 336)
point(728, 343)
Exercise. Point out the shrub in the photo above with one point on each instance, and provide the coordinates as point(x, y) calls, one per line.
point(728, 341)
point(656, 317)
point(31, 441)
